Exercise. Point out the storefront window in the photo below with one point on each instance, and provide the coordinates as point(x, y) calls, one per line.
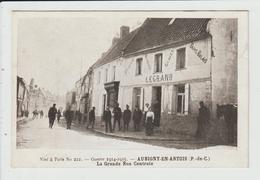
point(180, 61)
point(158, 63)
point(137, 97)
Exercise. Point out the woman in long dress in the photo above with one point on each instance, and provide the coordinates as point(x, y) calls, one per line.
point(149, 122)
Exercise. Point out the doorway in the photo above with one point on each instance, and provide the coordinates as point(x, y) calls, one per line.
point(136, 97)
point(156, 104)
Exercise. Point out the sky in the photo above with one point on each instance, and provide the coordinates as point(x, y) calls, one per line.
point(57, 51)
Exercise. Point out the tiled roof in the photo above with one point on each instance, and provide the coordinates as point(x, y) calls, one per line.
point(116, 51)
point(157, 32)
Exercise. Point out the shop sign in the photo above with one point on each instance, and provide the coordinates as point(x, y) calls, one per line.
point(198, 53)
point(158, 78)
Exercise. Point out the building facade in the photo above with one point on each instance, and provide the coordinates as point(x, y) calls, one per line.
point(172, 64)
point(22, 97)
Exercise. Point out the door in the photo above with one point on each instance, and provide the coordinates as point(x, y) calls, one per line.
point(156, 104)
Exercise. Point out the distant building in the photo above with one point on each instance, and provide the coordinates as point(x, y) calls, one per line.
point(71, 100)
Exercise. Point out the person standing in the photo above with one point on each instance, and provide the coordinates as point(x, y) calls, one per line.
point(117, 116)
point(69, 116)
point(146, 109)
point(52, 115)
point(107, 118)
point(149, 122)
point(137, 116)
point(203, 120)
point(92, 118)
point(58, 115)
point(126, 117)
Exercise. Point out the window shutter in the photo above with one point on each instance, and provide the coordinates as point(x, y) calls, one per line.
point(174, 100)
point(187, 98)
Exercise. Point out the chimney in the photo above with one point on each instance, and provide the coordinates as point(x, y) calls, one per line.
point(124, 31)
point(115, 40)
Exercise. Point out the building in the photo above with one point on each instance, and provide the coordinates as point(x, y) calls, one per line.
point(86, 93)
point(172, 64)
point(41, 98)
point(22, 97)
point(71, 100)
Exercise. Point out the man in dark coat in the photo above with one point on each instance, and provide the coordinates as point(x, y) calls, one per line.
point(126, 117)
point(203, 120)
point(137, 116)
point(117, 116)
point(52, 115)
point(69, 117)
point(92, 118)
point(107, 118)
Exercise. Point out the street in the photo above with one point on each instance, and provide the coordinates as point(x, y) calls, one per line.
point(36, 134)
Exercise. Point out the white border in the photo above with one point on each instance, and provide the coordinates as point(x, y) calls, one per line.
point(9, 173)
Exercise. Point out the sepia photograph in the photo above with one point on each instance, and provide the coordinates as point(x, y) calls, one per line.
point(129, 81)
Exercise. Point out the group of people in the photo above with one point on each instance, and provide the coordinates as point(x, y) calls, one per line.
point(137, 116)
point(36, 113)
point(52, 114)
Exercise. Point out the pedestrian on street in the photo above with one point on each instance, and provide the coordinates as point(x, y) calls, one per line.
point(58, 115)
point(137, 116)
point(117, 116)
point(107, 118)
point(203, 120)
point(52, 115)
point(149, 122)
point(34, 113)
point(92, 118)
point(126, 117)
point(69, 116)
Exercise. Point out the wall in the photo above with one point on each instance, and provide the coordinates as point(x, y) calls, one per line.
point(195, 67)
point(224, 62)
point(98, 88)
point(224, 72)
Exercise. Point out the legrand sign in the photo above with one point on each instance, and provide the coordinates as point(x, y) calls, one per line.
point(158, 78)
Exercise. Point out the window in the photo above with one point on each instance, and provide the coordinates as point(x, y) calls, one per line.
point(180, 62)
point(138, 66)
point(180, 99)
point(106, 75)
point(99, 77)
point(158, 63)
point(114, 73)
point(183, 96)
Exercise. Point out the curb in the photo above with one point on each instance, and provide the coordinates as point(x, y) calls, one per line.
point(141, 138)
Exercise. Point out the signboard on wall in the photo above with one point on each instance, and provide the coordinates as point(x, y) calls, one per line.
point(158, 78)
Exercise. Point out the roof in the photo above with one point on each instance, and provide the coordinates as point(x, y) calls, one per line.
point(156, 32)
point(116, 50)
